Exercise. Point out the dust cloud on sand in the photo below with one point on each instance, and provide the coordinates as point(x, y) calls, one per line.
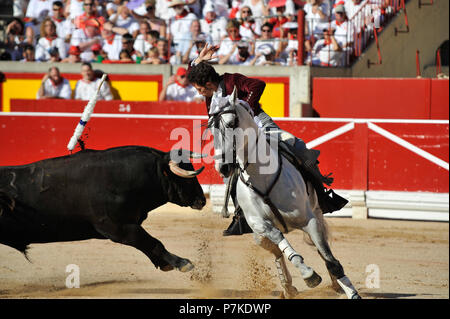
point(412, 259)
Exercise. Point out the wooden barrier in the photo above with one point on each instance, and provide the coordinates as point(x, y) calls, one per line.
point(381, 98)
point(362, 154)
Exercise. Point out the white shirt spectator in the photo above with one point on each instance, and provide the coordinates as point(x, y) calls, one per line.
point(246, 29)
point(78, 37)
point(227, 45)
point(19, 8)
point(39, 9)
point(128, 23)
point(315, 23)
point(220, 7)
point(142, 45)
point(62, 90)
point(324, 55)
point(84, 90)
point(113, 47)
point(234, 59)
point(176, 92)
point(76, 8)
point(257, 9)
point(216, 28)
point(44, 45)
point(178, 27)
point(64, 27)
point(344, 32)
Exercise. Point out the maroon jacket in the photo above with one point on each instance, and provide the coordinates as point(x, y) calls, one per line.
point(249, 90)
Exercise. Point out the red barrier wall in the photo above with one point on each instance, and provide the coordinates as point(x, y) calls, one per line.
point(381, 98)
point(360, 157)
point(77, 106)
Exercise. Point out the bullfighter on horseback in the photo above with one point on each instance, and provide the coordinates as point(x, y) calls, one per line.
point(212, 86)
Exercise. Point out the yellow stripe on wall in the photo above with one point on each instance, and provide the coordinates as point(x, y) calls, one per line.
point(123, 90)
point(272, 100)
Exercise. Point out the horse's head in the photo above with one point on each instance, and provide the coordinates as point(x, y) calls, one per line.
point(233, 127)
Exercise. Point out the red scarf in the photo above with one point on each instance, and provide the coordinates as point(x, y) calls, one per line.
point(209, 21)
point(110, 40)
point(183, 86)
point(182, 15)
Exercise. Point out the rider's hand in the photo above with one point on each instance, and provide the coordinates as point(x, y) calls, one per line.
point(207, 53)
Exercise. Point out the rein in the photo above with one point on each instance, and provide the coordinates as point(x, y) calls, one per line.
point(266, 196)
point(215, 121)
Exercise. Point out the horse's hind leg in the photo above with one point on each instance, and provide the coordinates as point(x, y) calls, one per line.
point(333, 265)
point(283, 273)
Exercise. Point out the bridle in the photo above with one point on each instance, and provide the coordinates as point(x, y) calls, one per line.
point(214, 121)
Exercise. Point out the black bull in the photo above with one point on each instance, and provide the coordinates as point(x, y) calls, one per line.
point(103, 194)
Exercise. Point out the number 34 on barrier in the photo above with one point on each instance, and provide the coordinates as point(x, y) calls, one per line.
point(124, 108)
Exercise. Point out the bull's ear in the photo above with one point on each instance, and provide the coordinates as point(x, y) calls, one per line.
point(233, 97)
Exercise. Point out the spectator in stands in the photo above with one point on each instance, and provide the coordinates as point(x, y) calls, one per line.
point(196, 45)
point(221, 7)
point(227, 44)
point(87, 86)
point(111, 7)
point(74, 8)
point(74, 55)
point(327, 51)
point(163, 50)
point(128, 45)
point(280, 19)
point(19, 8)
point(265, 55)
point(352, 7)
point(234, 11)
point(143, 43)
point(258, 7)
point(266, 37)
point(213, 25)
point(37, 11)
point(179, 24)
point(239, 54)
point(152, 57)
point(112, 41)
point(64, 27)
point(125, 57)
point(86, 38)
point(90, 13)
point(187, 44)
point(155, 23)
point(124, 19)
point(179, 89)
point(290, 41)
point(49, 42)
point(250, 28)
point(316, 17)
point(344, 32)
point(28, 53)
point(54, 86)
point(15, 39)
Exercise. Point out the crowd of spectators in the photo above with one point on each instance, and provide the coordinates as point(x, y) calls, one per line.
point(249, 32)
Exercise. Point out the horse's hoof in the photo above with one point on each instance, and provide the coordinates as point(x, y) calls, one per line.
point(167, 267)
point(186, 267)
point(313, 281)
point(289, 293)
point(356, 296)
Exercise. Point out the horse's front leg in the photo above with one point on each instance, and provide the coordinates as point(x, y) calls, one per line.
point(283, 273)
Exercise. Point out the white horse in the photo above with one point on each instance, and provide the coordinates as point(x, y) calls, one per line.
point(276, 199)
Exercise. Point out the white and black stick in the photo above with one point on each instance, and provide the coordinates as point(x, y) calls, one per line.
point(88, 110)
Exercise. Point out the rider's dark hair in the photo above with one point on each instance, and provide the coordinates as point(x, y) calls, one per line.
point(202, 73)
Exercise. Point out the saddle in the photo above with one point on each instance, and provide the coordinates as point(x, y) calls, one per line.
point(306, 162)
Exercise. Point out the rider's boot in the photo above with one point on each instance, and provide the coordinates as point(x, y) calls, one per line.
point(239, 225)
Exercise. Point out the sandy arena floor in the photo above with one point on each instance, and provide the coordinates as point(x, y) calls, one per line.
point(412, 259)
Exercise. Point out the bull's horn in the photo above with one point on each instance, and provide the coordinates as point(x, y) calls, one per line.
point(177, 170)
